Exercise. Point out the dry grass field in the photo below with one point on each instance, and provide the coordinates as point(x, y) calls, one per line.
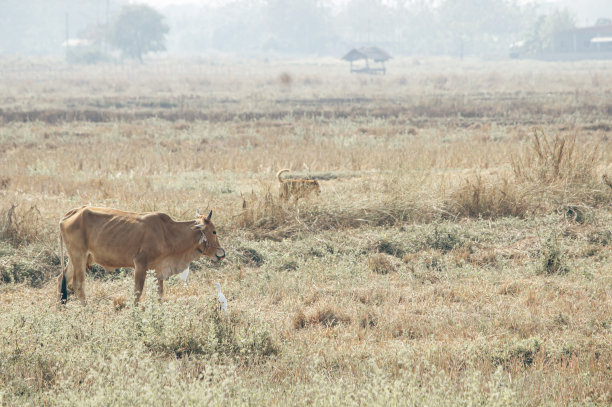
point(460, 251)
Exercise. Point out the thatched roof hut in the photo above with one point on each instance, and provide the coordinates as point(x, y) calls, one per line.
point(366, 53)
point(374, 53)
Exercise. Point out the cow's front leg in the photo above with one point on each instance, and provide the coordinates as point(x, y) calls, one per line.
point(140, 274)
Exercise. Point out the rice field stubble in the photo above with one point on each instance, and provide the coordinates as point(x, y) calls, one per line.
point(459, 252)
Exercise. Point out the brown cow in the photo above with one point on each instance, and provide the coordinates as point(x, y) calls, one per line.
point(144, 241)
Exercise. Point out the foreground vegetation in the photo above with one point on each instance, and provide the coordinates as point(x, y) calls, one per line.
point(456, 256)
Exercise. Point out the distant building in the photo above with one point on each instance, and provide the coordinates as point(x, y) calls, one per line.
point(593, 42)
point(360, 60)
point(593, 39)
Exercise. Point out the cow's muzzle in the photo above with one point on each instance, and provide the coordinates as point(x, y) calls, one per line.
point(219, 254)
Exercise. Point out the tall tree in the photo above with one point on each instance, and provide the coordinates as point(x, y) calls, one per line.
point(138, 29)
point(540, 38)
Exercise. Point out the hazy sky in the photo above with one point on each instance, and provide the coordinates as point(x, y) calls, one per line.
point(213, 3)
point(163, 3)
point(586, 11)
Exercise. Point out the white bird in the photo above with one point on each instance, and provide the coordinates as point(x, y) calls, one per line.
point(221, 299)
point(184, 274)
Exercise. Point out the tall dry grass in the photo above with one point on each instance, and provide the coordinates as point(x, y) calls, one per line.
point(548, 174)
point(558, 160)
point(20, 224)
point(383, 179)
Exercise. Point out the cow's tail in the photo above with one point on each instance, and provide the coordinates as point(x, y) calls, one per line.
point(278, 174)
point(62, 285)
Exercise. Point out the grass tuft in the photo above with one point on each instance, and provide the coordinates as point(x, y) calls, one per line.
point(325, 315)
point(553, 259)
point(380, 264)
point(249, 256)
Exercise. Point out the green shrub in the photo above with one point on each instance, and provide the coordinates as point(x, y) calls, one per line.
point(523, 352)
point(553, 259)
point(444, 239)
point(390, 247)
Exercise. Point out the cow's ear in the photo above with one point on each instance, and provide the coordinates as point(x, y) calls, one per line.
point(197, 226)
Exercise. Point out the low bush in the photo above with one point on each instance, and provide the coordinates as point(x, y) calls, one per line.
point(553, 259)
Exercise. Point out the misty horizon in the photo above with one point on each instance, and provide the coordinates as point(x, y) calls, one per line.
point(298, 28)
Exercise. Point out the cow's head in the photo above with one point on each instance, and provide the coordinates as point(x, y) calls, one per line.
point(208, 243)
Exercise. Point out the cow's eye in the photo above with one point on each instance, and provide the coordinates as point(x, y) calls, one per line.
point(214, 232)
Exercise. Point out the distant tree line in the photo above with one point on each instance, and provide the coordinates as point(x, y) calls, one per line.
point(458, 28)
point(445, 27)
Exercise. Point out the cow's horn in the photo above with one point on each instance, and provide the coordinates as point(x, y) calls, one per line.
point(197, 213)
point(209, 215)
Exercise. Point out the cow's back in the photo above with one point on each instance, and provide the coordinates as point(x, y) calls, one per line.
point(113, 237)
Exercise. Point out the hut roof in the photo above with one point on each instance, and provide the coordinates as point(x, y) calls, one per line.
point(374, 53)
